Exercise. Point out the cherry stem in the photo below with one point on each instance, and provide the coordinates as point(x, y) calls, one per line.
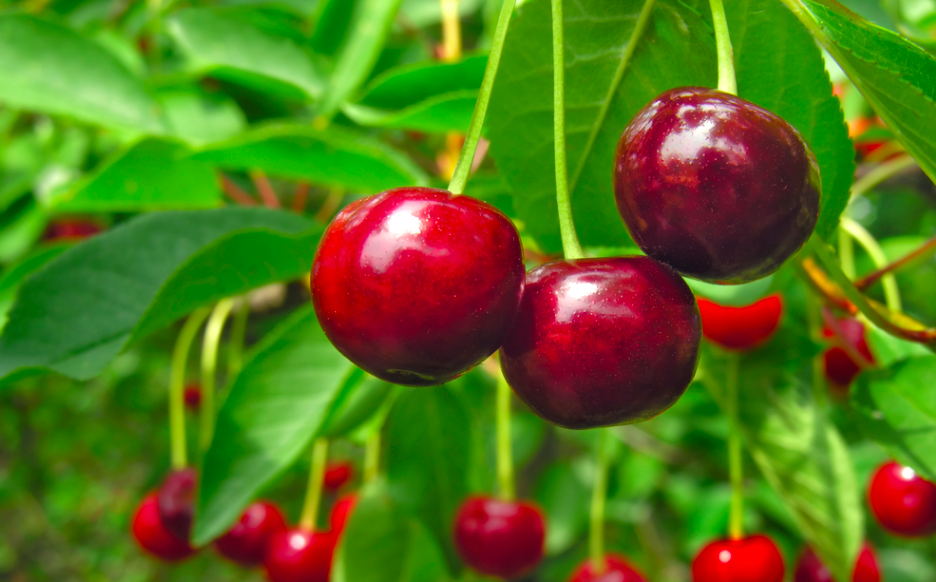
point(451, 30)
point(726, 69)
point(926, 248)
point(596, 550)
point(881, 173)
point(735, 460)
point(313, 497)
point(209, 365)
point(300, 197)
point(180, 354)
point(235, 192)
point(264, 188)
point(465, 160)
point(238, 334)
point(329, 206)
point(570, 243)
point(874, 250)
point(372, 456)
point(505, 470)
point(846, 253)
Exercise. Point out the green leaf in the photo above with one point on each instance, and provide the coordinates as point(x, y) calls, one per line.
point(143, 275)
point(275, 407)
point(51, 69)
point(565, 499)
point(198, 117)
point(381, 543)
point(336, 157)
point(243, 53)
point(449, 112)
point(358, 405)
point(153, 174)
point(897, 409)
point(13, 277)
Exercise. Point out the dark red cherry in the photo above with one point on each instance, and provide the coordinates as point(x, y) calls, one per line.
point(500, 538)
point(599, 342)
point(246, 542)
point(903, 502)
point(840, 368)
point(616, 569)
point(71, 229)
point(751, 559)
point(810, 568)
point(153, 537)
point(341, 512)
point(337, 474)
point(718, 188)
point(192, 396)
point(415, 285)
point(741, 328)
point(176, 499)
point(297, 555)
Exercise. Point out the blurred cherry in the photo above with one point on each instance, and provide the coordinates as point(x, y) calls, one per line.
point(246, 542)
point(71, 229)
point(500, 538)
point(809, 568)
point(617, 569)
point(176, 499)
point(341, 512)
point(741, 328)
point(840, 368)
point(903, 502)
point(298, 555)
point(152, 536)
point(193, 396)
point(337, 474)
point(751, 559)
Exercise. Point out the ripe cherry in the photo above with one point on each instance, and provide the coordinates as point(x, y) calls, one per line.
point(176, 499)
point(299, 555)
point(381, 254)
point(500, 538)
point(616, 569)
point(751, 559)
point(599, 342)
point(71, 229)
point(903, 502)
point(153, 537)
point(810, 568)
point(741, 328)
point(840, 368)
point(718, 188)
point(192, 396)
point(246, 542)
point(338, 474)
point(341, 512)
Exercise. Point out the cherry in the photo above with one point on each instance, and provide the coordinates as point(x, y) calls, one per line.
point(741, 328)
point(153, 537)
point(840, 368)
point(71, 229)
point(416, 285)
point(617, 569)
point(337, 474)
point(341, 512)
point(192, 396)
point(298, 555)
point(751, 559)
point(903, 502)
point(599, 342)
point(715, 186)
point(176, 500)
point(247, 541)
point(500, 538)
point(810, 568)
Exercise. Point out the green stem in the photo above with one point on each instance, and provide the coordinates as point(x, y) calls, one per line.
point(238, 333)
point(372, 457)
point(466, 159)
point(177, 387)
point(209, 365)
point(880, 173)
point(874, 250)
point(505, 470)
point(726, 70)
point(571, 247)
point(846, 253)
point(596, 550)
point(735, 460)
point(310, 508)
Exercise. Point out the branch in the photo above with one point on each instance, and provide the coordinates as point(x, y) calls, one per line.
point(234, 192)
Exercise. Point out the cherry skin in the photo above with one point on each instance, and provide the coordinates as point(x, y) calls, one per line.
point(176, 499)
point(600, 342)
point(341, 512)
point(192, 396)
point(809, 568)
point(337, 475)
point(246, 542)
point(500, 538)
point(718, 188)
point(741, 328)
point(617, 569)
point(153, 537)
point(903, 502)
point(415, 285)
point(751, 559)
point(840, 368)
point(71, 230)
point(298, 555)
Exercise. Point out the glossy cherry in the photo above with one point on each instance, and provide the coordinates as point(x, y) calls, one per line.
point(298, 555)
point(840, 368)
point(903, 502)
point(337, 474)
point(616, 569)
point(751, 559)
point(246, 542)
point(192, 396)
point(500, 538)
point(718, 188)
point(415, 285)
point(600, 342)
point(153, 537)
point(341, 512)
point(809, 568)
point(176, 499)
point(741, 328)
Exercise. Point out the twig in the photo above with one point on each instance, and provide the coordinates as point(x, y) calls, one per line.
point(234, 192)
point(264, 188)
point(873, 277)
point(300, 197)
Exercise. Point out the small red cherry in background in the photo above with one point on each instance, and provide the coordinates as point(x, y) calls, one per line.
point(246, 542)
point(192, 396)
point(381, 254)
point(71, 229)
point(617, 569)
point(600, 342)
point(153, 537)
point(741, 328)
point(176, 499)
point(751, 559)
point(809, 568)
point(903, 502)
point(341, 512)
point(337, 474)
point(299, 555)
point(840, 368)
point(500, 538)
